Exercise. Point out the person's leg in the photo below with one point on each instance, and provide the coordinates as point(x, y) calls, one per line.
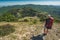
point(45, 30)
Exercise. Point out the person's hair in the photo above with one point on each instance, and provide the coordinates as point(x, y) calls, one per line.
point(49, 15)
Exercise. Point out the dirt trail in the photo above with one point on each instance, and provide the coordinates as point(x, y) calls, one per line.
point(52, 35)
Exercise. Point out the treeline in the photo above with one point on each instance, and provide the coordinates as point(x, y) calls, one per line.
point(21, 11)
point(16, 14)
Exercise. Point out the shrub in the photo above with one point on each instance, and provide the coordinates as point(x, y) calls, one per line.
point(6, 29)
point(26, 20)
point(35, 21)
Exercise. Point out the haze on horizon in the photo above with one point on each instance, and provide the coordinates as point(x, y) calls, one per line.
point(23, 2)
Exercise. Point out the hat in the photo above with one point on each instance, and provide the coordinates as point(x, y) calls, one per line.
point(49, 15)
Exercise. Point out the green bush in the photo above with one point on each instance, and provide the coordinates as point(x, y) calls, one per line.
point(56, 20)
point(35, 21)
point(6, 29)
point(8, 18)
point(26, 20)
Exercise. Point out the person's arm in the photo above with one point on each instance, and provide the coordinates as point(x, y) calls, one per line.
point(45, 22)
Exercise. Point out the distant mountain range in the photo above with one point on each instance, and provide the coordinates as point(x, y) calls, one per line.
point(53, 10)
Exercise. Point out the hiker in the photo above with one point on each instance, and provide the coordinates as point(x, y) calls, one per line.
point(48, 24)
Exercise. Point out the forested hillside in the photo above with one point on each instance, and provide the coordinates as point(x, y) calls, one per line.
point(20, 11)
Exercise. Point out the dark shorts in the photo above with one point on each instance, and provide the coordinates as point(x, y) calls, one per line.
point(48, 27)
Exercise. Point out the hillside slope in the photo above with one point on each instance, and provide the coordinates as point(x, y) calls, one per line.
point(25, 31)
point(53, 10)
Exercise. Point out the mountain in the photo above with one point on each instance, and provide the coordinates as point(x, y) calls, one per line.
point(53, 10)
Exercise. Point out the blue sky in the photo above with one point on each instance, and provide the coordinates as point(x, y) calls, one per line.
point(22, 2)
point(29, 0)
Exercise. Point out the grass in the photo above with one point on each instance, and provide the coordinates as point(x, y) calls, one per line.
point(22, 30)
point(6, 29)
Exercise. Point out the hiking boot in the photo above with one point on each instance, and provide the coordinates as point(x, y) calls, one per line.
point(44, 34)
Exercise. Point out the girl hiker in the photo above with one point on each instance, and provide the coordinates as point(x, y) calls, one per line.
point(48, 24)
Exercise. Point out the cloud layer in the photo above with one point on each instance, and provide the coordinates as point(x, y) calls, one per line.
point(30, 2)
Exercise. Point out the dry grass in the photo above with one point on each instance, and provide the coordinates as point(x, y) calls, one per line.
point(25, 30)
point(53, 34)
point(6, 29)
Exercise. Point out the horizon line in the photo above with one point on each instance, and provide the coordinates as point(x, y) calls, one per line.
point(33, 2)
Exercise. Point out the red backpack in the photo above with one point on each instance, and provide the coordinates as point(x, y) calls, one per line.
point(49, 22)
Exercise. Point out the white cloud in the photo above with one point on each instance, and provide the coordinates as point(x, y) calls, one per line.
point(30, 2)
point(49, 3)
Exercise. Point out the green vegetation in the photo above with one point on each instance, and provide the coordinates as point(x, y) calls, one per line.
point(8, 17)
point(6, 29)
point(14, 13)
point(17, 14)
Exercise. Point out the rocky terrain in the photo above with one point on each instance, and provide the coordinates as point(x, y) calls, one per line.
point(28, 31)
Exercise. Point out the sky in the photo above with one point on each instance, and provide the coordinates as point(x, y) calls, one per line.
point(29, 0)
point(23, 2)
